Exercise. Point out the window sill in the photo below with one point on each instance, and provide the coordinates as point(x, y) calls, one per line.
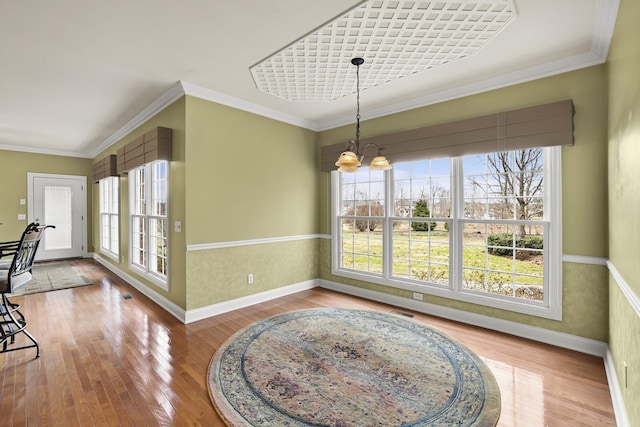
point(110, 255)
point(156, 280)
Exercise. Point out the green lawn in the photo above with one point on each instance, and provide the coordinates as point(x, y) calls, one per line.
point(425, 256)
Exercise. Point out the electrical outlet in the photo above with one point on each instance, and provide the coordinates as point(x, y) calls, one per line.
point(250, 279)
point(626, 377)
point(418, 296)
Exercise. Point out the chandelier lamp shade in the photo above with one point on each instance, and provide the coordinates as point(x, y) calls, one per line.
point(353, 155)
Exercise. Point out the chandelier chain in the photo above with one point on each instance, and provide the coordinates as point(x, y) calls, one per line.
point(358, 105)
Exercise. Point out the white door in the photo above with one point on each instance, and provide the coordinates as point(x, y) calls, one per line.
point(59, 200)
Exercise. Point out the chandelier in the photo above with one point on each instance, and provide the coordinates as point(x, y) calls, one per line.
point(352, 157)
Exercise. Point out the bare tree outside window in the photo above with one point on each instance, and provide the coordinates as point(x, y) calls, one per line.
point(363, 206)
point(516, 185)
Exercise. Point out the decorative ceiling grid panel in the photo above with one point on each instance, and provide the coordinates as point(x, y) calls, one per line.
point(396, 39)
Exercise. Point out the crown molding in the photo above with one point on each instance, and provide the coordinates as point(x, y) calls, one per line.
point(606, 12)
point(45, 151)
point(182, 88)
point(240, 104)
point(172, 94)
point(604, 23)
point(508, 79)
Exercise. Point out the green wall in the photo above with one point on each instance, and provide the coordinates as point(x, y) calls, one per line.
point(624, 201)
point(238, 177)
point(15, 166)
point(235, 176)
point(248, 177)
point(584, 190)
point(171, 117)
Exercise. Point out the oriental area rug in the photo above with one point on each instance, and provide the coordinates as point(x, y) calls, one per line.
point(52, 276)
point(338, 367)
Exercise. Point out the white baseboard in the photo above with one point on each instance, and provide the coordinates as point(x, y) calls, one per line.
point(163, 302)
point(190, 316)
point(622, 420)
point(226, 306)
point(558, 339)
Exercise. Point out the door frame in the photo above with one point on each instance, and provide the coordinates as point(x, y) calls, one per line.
point(83, 181)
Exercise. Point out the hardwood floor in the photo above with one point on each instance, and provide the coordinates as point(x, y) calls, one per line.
point(106, 360)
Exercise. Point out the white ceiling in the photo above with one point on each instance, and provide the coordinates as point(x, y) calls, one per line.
point(76, 75)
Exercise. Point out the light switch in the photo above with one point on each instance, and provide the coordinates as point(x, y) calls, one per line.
point(23, 201)
point(177, 226)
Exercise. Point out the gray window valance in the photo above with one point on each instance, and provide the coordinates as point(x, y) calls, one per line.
point(153, 145)
point(104, 167)
point(540, 126)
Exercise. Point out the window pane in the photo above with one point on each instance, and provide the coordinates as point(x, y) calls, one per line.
point(149, 222)
point(498, 219)
point(504, 185)
point(420, 251)
point(114, 196)
point(493, 262)
point(500, 258)
point(363, 193)
point(104, 231)
point(157, 246)
point(109, 211)
point(423, 189)
point(138, 233)
point(138, 205)
point(114, 234)
point(529, 287)
point(362, 245)
point(58, 200)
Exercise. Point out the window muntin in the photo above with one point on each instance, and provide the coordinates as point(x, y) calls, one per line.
point(481, 233)
point(109, 216)
point(422, 189)
point(504, 254)
point(361, 220)
point(149, 188)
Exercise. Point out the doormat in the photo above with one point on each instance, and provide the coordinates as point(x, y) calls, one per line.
point(53, 276)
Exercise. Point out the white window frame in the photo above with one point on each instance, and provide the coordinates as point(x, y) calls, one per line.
point(551, 308)
point(110, 215)
point(147, 217)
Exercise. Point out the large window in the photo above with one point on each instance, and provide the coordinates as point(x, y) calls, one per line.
point(109, 217)
point(149, 188)
point(479, 228)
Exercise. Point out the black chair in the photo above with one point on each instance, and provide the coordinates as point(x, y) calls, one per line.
point(16, 275)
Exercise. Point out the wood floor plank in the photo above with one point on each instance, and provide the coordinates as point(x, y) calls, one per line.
point(108, 361)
